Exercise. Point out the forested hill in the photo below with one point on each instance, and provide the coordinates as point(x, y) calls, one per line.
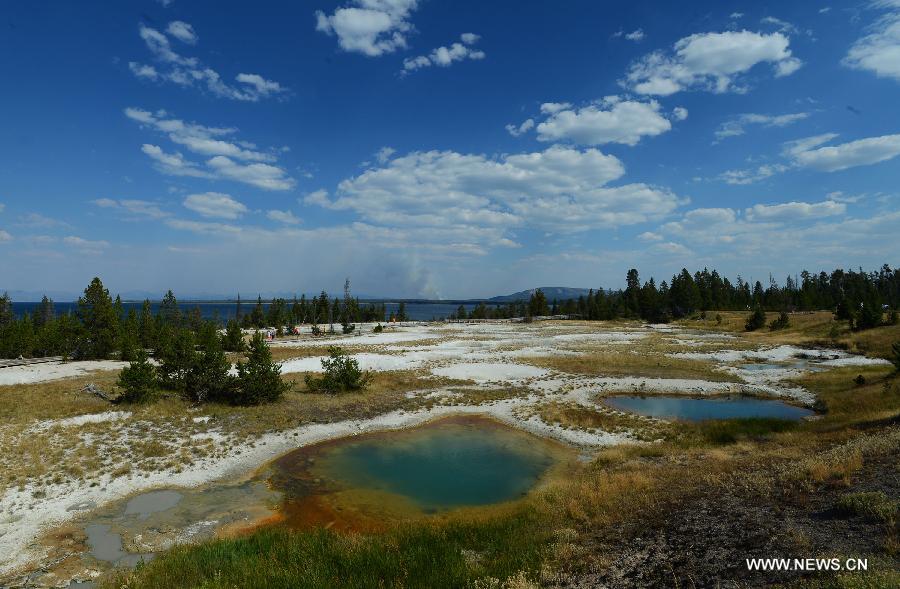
point(557, 293)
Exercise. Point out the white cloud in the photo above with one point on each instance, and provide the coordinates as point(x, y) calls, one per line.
point(783, 25)
point(2, 207)
point(182, 31)
point(635, 36)
point(384, 154)
point(790, 211)
point(737, 126)
point(445, 56)
point(680, 113)
point(203, 227)
point(133, 207)
point(807, 153)
point(5, 236)
point(751, 176)
point(173, 164)
point(86, 246)
point(285, 217)
point(519, 130)
point(710, 61)
point(215, 204)
point(879, 51)
point(189, 71)
point(370, 27)
point(143, 71)
point(234, 160)
point(610, 120)
point(317, 197)
point(476, 200)
point(263, 176)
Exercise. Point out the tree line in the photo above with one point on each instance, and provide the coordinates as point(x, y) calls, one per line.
point(858, 297)
point(99, 327)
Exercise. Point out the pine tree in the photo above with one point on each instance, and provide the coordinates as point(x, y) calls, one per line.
point(129, 339)
point(537, 303)
point(169, 313)
point(101, 325)
point(208, 378)
point(6, 312)
point(176, 359)
point(259, 378)
point(138, 380)
point(756, 320)
point(401, 312)
point(45, 313)
point(234, 337)
point(147, 326)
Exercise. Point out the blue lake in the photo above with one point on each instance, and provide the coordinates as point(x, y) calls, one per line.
point(690, 409)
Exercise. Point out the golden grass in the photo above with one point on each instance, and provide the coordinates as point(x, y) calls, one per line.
point(573, 415)
point(647, 365)
point(807, 328)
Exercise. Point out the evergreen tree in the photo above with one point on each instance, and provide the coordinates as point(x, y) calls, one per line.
point(169, 313)
point(176, 359)
point(129, 339)
point(340, 372)
point(401, 312)
point(138, 380)
point(45, 313)
point(208, 378)
point(756, 320)
point(147, 326)
point(6, 312)
point(101, 325)
point(537, 303)
point(259, 378)
point(234, 337)
point(258, 316)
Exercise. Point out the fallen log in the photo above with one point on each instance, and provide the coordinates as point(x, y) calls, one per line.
point(93, 389)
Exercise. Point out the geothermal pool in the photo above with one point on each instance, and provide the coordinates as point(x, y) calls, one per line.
point(447, 464)
point(690, 409)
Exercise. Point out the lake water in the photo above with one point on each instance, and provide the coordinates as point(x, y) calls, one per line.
point(420, 311)
point(451, 463)
point(690, 409)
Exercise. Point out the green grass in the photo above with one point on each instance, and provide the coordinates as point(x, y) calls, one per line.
point(730, 431)
point(410, 556)
point(873, 505)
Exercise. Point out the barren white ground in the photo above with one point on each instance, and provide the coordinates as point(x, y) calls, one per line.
point(490, 355)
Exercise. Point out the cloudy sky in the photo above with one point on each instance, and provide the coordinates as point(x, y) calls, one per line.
point(436, 148)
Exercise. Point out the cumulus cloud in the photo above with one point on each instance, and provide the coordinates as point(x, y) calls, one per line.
point(710, 61)
point(752, 175)
point(793, 210)
point(182, 31)
point(879, 51)
point(228, 158)
point(609, 120)
point(285, 217)
point(215, 204)
point(810, 152)
point(445, 56)
point(477, 201)
point(86, 246)
point(737, 126)
point(132, 207)
point(369, 27)
point(189, 71)
point(521, 129)
point(5, 236)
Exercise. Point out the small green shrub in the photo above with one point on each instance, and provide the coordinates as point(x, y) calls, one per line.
point(378, 328)
point(341, 373)
point(234, 338)
point(138, 380)
point(756, 320)
point(782, 322)
point(259, 378)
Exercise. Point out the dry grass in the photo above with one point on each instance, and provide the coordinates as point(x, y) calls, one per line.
point(573, 415)
point(647, 365)
point(807, 328)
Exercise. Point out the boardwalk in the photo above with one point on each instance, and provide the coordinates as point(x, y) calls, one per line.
point(26, 361)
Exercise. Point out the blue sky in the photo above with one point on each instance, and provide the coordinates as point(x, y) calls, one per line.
point(452, 149)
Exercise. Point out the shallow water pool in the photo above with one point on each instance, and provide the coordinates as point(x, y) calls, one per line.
point(690, 409)
point(451, 463)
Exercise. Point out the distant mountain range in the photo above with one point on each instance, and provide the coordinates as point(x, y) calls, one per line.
point(559, 293)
